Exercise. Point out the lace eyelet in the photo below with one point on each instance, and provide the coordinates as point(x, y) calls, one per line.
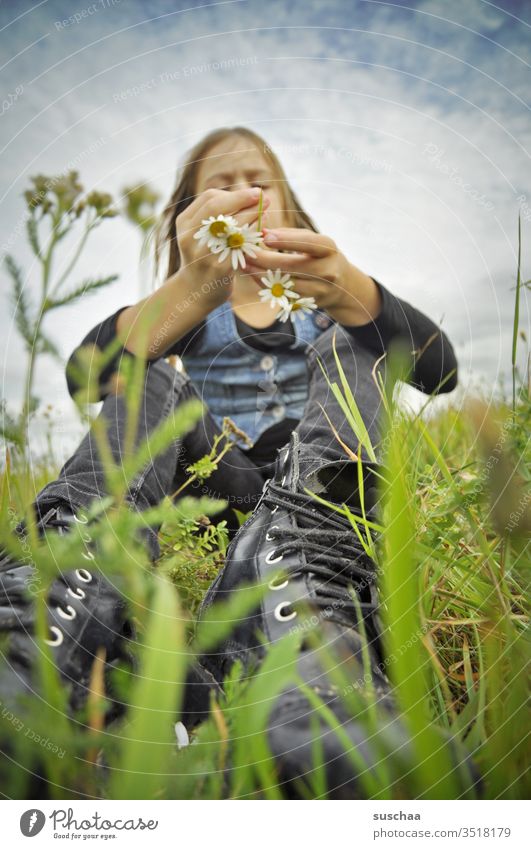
point(58, 638)
point(80, 518)
point(274, 510)
point(270, 559)
point(272, 528)
point(280, 615)
point(69, 613)
point(88, 555)
point(274, 585)
point(84, 575)
point(77, 592)
point(86, 537)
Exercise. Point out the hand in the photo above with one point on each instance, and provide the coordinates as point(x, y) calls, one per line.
point(202, 283)
point(199, 266)
point(321, 271)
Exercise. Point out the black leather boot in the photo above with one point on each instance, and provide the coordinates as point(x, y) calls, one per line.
point(85, 613)
point(322, 563)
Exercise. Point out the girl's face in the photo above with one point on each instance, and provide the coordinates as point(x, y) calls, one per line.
point(236, 163)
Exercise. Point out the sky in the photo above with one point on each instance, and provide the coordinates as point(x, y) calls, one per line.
point(404, 128)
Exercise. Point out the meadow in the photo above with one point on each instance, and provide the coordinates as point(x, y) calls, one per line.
point(452, 551)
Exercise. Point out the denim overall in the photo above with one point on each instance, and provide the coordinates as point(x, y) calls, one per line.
point(256, 389)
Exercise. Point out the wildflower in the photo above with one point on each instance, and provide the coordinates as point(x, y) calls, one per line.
point(278, 286)
point(38, 196)
point(238, 242)
point(101, 202)
point(214, 230)
point(140, 202)
point(229, 426)
point(67, 190)
point(305, 305)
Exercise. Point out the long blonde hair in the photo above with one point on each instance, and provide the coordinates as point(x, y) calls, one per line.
point(184, 193)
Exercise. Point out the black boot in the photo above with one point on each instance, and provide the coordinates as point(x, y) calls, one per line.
point(85, 613)
point(315, 547)
point(322, 563)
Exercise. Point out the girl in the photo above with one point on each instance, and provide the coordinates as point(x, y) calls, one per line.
point(243, 362)
point(266, 375)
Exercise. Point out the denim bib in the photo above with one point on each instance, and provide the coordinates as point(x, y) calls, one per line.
point(256, 389)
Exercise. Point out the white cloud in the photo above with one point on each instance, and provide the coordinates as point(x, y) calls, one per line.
point(392, 124)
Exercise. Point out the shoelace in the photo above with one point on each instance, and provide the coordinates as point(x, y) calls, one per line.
point(335, 558)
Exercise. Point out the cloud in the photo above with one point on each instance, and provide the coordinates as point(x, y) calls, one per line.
point(404, 130)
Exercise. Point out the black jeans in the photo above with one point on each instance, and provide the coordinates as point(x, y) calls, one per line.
point(237, 479)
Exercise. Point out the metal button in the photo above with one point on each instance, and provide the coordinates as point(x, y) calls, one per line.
point(278, 411)
point(267, 363)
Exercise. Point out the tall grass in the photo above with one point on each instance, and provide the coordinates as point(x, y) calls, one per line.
point(452, 551)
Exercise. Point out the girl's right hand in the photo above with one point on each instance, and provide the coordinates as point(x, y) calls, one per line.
point(201, 269)
point(150, 327)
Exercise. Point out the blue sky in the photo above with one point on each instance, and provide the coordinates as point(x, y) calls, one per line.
point(404, 128)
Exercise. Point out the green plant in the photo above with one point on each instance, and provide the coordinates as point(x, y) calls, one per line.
point(57, 206)
point(452, 547)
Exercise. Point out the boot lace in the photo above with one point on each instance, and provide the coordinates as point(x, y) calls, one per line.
point(334, 558)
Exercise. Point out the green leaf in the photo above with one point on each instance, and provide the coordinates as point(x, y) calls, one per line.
point(241, 516)
point(84, 288)
point(173, 427)
point(10, 428)
point(33, 235)
point(252, 760)
point(433, 775)
point(352, 415)
point(20, 302)
point(516, 316)
point(148, 740)
point(217, 622)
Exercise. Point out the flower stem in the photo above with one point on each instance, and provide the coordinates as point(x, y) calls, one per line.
point(260, 209)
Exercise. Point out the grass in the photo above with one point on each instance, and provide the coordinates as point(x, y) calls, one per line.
point(452, 550)
point(454, 585)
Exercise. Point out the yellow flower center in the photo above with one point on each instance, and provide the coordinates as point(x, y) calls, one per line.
point(235, 240)
point(295, 306)
point(277, 290)
point(217, 228)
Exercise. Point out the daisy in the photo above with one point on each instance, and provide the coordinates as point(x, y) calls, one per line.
point(213, 230)
point(238, 242)
point(278, 287)
point(305, 305)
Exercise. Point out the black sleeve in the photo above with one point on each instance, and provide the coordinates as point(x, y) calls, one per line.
point(433, 356)
point(103, 335)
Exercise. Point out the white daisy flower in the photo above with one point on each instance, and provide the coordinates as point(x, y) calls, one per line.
point(305, 305)
point(213, 230)
point(277, 287)
point(238, 242)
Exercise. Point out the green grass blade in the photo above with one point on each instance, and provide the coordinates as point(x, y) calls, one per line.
point(147, 744)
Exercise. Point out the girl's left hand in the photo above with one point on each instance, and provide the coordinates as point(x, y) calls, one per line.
point(319, 270)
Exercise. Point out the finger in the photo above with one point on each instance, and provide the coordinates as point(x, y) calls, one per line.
point(287, 262)
point(299, 239)
point(250, 216)
point(220, 202)
point(255, 273)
